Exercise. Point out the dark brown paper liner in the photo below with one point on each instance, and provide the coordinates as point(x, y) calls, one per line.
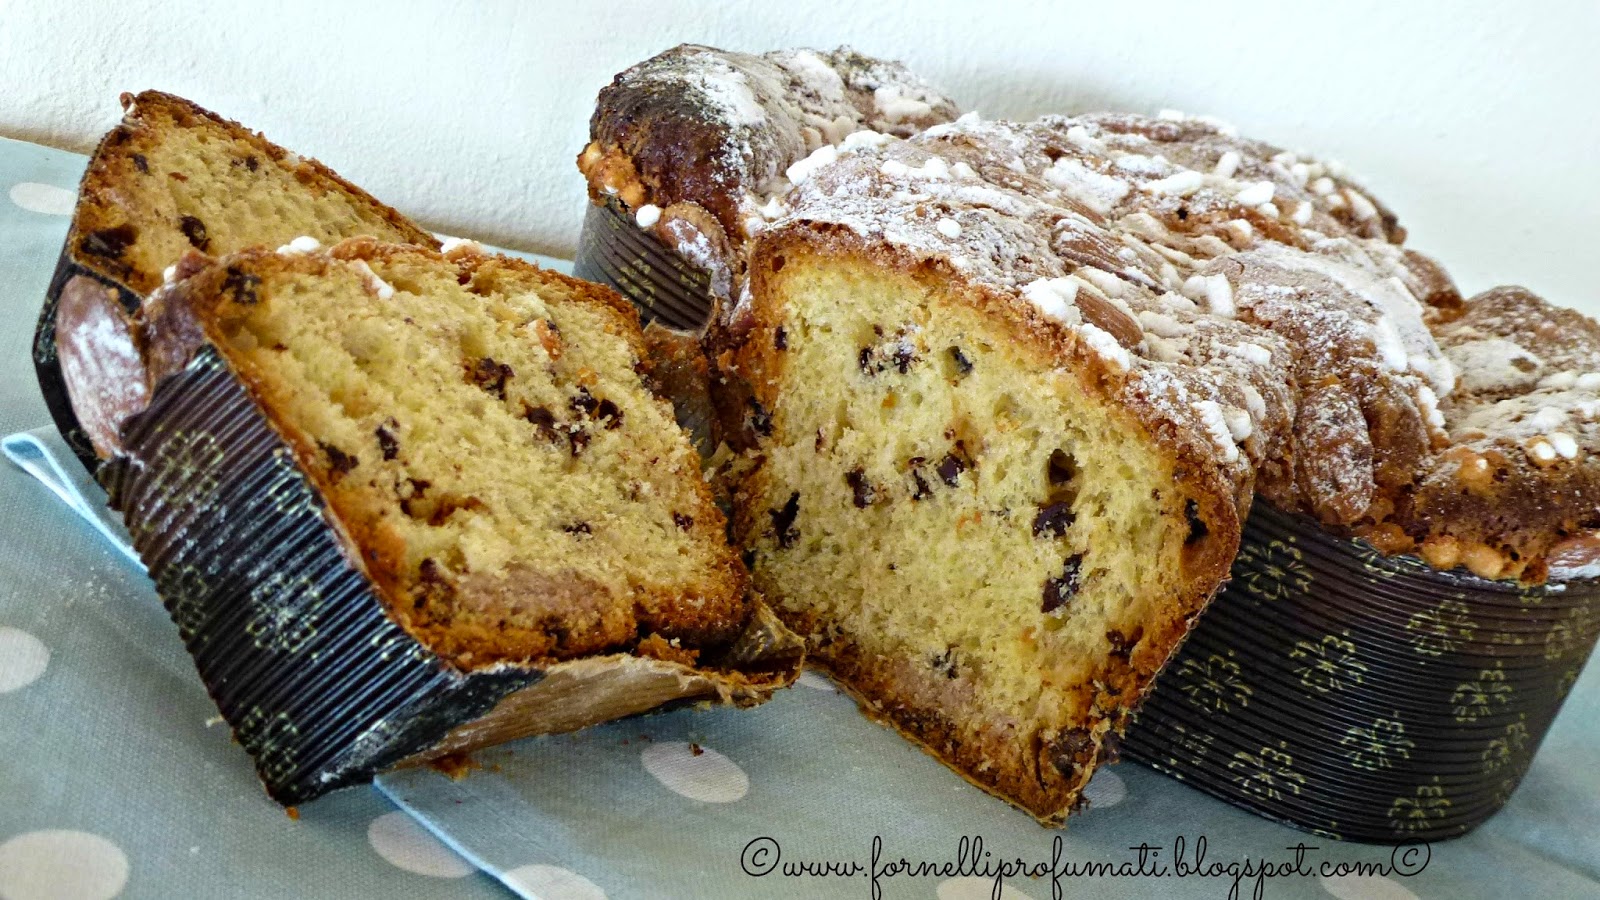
point(614, 251)
point(1359, 696)
point(292, 640)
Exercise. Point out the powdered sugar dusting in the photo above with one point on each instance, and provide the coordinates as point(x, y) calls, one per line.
point(1246, 294)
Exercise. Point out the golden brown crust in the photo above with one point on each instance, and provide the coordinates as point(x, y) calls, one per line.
point(107, 231)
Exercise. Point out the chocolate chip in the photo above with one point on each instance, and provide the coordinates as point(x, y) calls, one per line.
point(491, 376)
point(950, 469)
point(1183, 214)
point(583, 403)
point(195, 231)
point(760, 419)
point(922, 488)
point(387, 441)
point(682, 521)
point(945, 663)
point(783, 521)
point(429, 571)
point(1058, 592)
point(780, 338)
point(1053, 519)
point(251, 163)
point(1122, 645)
point(339, 462)
point(1068, 748)
point(1197, 526)
point(578, 528)
point(608, 413)
point(431, 584)
point(108, 242)
point(241, 286)
point(963, 365)
point(864, 361)
point(140, 163)
point(904, 356)
point(542, 419)
point(580, 440)
point(862, 491)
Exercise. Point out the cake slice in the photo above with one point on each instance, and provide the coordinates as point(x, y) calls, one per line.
point(997, 449)
point(386, 493)
point(172, 178)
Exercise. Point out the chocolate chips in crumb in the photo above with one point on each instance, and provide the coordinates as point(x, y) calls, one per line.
point(683, 522)
point(108, 243)
point(1122, 645)
point(543, 420)
point(387, 442)
point(340, 463)
point(783, 521)
point(1068, 748)
point(583, 403)
point(607, 412)
point(491, 376)
point(195, 231)
point(1053, 519)
point(951, 467)
point(862, 492)
point(1059, 591)
point(780, 338)
point(920, 488)
point(140, 163)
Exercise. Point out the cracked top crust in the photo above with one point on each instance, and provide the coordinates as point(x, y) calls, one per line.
point(1256, 303)
point(696, 142)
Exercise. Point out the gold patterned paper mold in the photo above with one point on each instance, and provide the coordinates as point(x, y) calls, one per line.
point(1361, 696)
point(294, 644)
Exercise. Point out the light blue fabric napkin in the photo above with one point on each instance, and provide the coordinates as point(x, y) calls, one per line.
point(717, 803)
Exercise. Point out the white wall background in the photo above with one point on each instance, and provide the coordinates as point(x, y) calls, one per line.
point(1478, 121)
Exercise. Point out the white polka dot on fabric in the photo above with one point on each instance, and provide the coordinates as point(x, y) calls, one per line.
point(1365, 887)
point(971, 887)
point(23, 658)
point(47, 865)
point(43, 198)
point(406, 845)
point(1105, 789)
point(815, 681)
point(552, 883)
point(706, 775)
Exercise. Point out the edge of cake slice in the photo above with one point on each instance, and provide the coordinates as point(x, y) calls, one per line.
point(402, 504)
point(170, 179)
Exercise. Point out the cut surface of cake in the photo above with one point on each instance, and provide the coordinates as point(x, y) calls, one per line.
point(481, 428)
point(1007, 390)
point(170, 179)
point(475, 439)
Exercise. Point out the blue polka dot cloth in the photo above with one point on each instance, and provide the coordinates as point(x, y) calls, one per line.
point(118, 780)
